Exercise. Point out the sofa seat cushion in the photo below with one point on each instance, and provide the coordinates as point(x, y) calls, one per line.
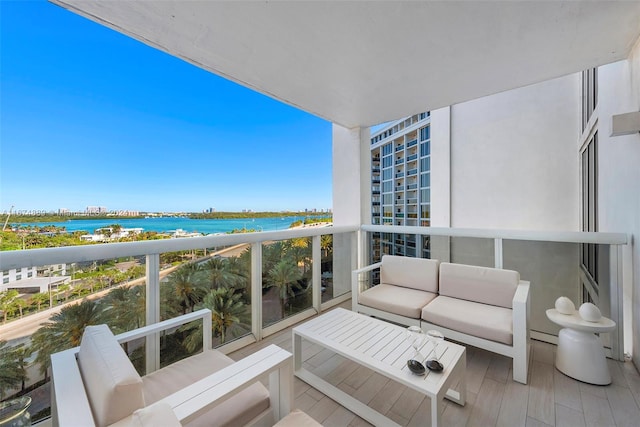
point(408, 272)
point(479, 284)
point(237, 410)
point(472, 318)
point(113, 386)
point(158, 414)
point(398, 300)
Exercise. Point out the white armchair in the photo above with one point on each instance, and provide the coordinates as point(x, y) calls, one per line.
point(95, 384)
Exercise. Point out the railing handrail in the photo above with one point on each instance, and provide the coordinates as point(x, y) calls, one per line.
point(69, 254)
point(542, 236)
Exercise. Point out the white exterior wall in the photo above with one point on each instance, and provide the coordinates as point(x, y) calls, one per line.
point(619, 177)
point(514, 164)
point(351, 198)
point(514, 161)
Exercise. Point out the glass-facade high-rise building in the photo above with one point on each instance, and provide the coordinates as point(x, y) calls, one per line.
point(401, 185)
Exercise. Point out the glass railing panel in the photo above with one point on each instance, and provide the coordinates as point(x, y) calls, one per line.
point(554, 270)
point(286, 279)
point(326, 267)
point(472, 251)
point(216, 278)
point(45, 310)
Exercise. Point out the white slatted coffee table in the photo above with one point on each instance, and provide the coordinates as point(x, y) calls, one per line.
point(382, 347)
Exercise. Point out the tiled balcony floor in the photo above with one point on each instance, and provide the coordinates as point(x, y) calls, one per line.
point(493, 399)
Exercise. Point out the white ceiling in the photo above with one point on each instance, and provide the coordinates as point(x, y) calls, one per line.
point(362, 63)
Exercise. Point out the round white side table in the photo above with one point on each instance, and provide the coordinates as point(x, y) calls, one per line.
point(580, 354)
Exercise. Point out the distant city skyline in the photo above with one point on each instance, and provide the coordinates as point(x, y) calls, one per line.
point(92, 117)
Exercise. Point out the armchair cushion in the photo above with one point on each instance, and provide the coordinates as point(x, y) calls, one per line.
point(415, 273)
point(111, 382)
point(462, 316)
point(237, 410)
point(480, 284)
point(158, 414)
point(396, 299)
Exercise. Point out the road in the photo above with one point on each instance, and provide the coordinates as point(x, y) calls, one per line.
point(20, 330)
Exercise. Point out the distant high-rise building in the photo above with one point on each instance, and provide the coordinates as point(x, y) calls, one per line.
point(96, 209)
point(401, 184)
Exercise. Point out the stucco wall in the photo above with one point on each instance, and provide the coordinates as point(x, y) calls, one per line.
point(513, 159)
point(619, 175)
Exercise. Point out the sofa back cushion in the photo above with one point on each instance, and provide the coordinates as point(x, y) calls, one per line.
point(480, 284)
point(415, 273)
point(112, 384)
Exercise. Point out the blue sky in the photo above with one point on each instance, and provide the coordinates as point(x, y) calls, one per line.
point(90, 117)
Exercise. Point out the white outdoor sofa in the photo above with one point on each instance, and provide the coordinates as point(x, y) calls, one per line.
point(479, 306)
point(96, 384)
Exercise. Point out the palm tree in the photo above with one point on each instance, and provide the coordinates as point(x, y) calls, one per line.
point(12, 372)
point(284, 275)
point(20, 304)
point(219, 273)
point(326, 244)
point(300, 251)
point(64, 331)
point(7, 302)
point(187, 284)
point(39, 299)
point(227, 310)
point(124, 308)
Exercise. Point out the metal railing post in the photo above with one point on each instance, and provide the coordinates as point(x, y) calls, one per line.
point(256, 290)
point(153, 311)
point(316, 273)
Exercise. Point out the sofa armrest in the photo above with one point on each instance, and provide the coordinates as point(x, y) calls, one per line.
point(356, 287)
point(69, 402)
point(520, 307)
point(203, 395)
point(204, 314)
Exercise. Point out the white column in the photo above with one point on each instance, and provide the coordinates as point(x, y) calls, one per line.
point(351, 197)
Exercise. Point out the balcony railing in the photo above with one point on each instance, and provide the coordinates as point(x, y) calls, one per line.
point(314, 270)
point(549, 260)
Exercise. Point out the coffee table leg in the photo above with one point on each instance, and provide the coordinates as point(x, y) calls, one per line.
point(297, 352)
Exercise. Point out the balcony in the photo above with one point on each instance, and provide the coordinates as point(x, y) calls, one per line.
point(509, 404)
point(399, 148)
point(399, 161)
point(399, 174)
point(412, 143)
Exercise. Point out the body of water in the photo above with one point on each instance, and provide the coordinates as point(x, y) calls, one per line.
point(168, 224)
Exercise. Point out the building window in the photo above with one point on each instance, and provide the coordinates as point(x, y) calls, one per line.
point(18, 276)
point(425, 149)
point(589, 183)
point(386, 186)
point(425, 164)
point(387, 149)
point(30, 274)
point(5, 280)
point(386, 161)
point(589, 95)
point(425, 180)
point(386, 174)
point(425, 133)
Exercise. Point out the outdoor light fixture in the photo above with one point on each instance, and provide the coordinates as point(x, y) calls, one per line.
point(625, 124)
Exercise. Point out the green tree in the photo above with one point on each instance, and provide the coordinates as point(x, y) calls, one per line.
point(326, 245)
point(39, 299)
point(227, 310)
point(64, 331)
point(124, 308)
point(188, 286)
point(284, 275)
point(20, 304)
point(7, 302)
point(12, 372)
point(220, 274)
